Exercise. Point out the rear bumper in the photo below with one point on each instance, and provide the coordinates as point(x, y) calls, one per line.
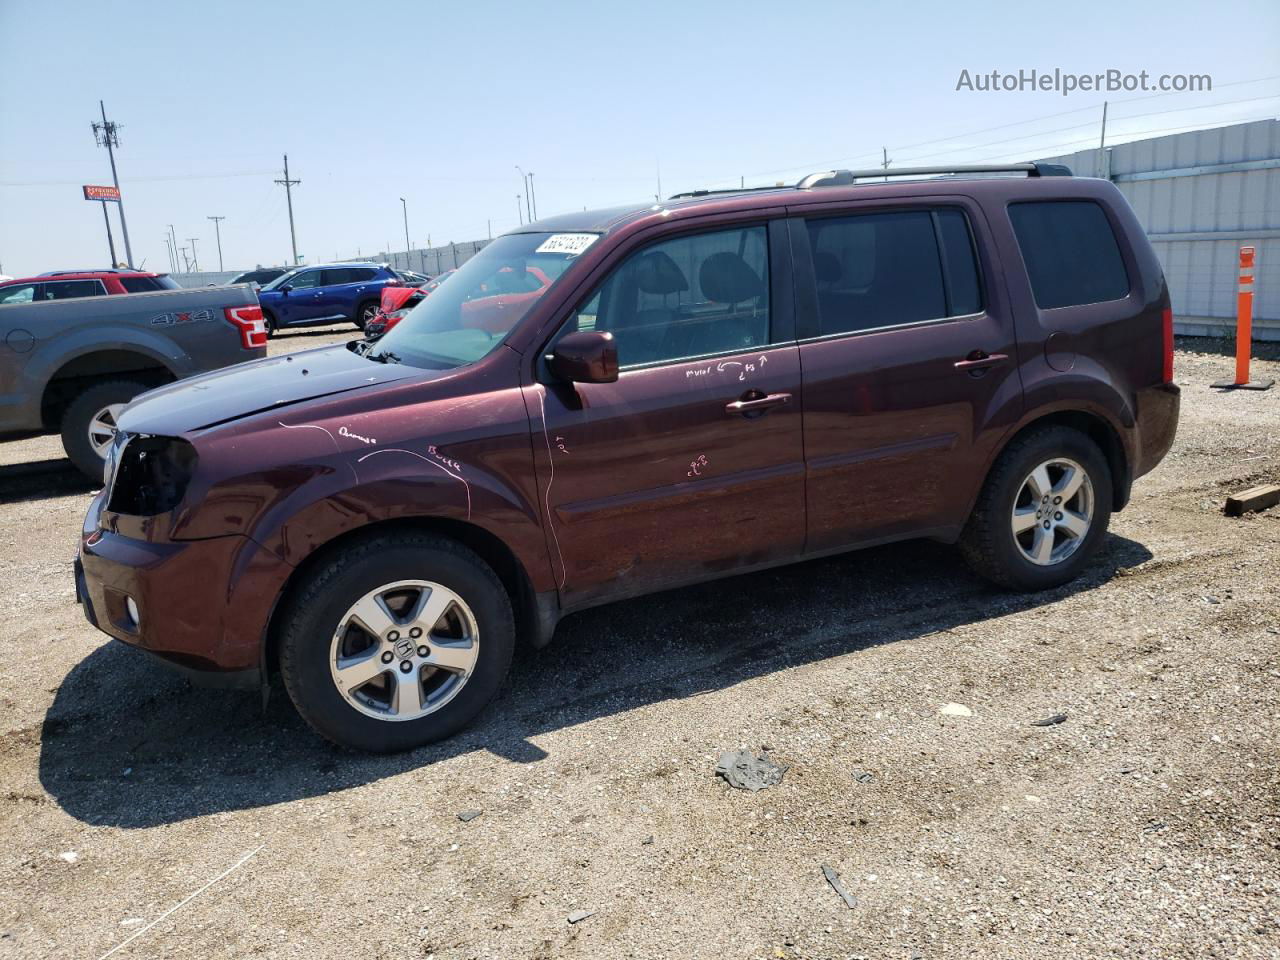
point(1156, 415)
point(203, 605)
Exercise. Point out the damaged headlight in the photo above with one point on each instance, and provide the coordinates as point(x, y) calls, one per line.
point(150, 475)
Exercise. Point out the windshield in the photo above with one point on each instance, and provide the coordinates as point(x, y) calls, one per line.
point(464, 319)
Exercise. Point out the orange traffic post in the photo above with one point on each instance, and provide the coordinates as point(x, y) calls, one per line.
point(1244, 329)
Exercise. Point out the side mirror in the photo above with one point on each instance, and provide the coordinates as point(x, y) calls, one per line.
point(588, 356)
point(286, 288)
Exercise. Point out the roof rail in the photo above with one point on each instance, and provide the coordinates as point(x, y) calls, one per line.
point(844, 178)
point(712, 193)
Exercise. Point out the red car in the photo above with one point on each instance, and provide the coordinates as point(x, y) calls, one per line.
point(487, 308)
point(69, 284)
point(397, 302)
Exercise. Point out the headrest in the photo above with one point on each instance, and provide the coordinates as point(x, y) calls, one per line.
point(726, 278)
point(656, 272)
point(826, 266)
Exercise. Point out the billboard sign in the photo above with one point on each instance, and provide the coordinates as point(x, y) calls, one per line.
point(102, 193)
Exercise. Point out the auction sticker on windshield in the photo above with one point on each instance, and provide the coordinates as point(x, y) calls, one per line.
point(570, 243)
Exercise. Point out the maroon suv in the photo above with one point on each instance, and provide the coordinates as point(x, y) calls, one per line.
point(716, 384)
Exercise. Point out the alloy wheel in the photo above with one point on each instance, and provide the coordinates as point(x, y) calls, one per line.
point(102, 428)
point(404, 650)
point(1053, 511)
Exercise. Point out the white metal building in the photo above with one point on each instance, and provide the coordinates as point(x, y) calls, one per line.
point(1202, 196)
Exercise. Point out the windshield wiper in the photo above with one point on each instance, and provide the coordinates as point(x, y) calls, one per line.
point(386, 356)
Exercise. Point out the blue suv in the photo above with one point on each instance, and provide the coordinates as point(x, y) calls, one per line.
point(309, 296)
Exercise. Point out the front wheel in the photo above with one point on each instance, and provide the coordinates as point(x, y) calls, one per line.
point(396, 642)
point(1043, 511)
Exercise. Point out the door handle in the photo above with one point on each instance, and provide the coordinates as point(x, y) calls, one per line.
point(978, 361)
point(757, 404)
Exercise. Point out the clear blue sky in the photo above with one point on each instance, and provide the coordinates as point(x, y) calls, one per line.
point(438, 102)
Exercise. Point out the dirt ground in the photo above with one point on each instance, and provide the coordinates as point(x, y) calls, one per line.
point(1146, 825)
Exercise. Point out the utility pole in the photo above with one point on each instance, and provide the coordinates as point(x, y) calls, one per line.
point(173, 235)
point(887, 161)
point(186, 261)
point(107, 134)
point(1102, 144)
point(405, 207)
point(534, 195)
point(111, 244)
point(288, 195)
point(528, 207)
point(173, 263)
point(218, 233)
point(519, 210)
point(195, 259)
point(490, 223)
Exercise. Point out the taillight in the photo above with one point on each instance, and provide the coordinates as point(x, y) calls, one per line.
point(1167, 324)
point(248, 320)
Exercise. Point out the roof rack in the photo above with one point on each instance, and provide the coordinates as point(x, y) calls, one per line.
point(711, 193)
point(844, 178)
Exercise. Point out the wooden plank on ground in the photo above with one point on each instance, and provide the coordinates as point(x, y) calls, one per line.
point(1255, 498)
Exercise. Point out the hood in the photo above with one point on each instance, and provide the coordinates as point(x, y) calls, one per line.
point(249, 388)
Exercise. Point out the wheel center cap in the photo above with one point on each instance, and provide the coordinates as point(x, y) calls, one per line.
point(404, 648)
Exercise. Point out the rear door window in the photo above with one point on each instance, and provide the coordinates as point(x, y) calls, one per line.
point(72, 289)
point(877, 270)
point(1071, 252)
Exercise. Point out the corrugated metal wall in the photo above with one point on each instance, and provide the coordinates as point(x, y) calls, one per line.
point(1202, 196)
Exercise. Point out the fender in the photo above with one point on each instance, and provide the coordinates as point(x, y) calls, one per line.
point(52, 353)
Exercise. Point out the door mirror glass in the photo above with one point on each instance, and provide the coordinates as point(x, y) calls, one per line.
point(286, 288)
point(586, 356)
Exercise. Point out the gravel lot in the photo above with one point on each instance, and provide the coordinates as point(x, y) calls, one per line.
point(1147, 824)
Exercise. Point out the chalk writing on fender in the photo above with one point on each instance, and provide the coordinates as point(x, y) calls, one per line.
point(697, 465)
point(344, 432)
point(443, 459)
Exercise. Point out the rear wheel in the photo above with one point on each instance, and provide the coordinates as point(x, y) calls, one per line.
point(269, 321)
point(366, 312)
point(89, 423)
point(396, 642)
point(1042, 513)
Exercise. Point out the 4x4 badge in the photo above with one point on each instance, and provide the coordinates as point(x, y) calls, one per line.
point(172, 319)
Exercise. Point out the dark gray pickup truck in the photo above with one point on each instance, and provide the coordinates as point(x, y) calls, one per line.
point(70, 366)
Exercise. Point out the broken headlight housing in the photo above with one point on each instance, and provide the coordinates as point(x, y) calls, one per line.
point(149, 475)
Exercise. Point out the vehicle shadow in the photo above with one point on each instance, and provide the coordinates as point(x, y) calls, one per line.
point(126, 743)
point(42, 478)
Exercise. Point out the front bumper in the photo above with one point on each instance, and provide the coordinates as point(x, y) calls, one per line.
point(203, 605)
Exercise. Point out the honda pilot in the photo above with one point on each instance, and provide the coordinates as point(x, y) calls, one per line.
point(720, 383)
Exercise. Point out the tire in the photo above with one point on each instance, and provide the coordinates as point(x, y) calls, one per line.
point(1009, 500)
point(269, 321)
point(365, 312)
point(98, 403)
point(313, 648)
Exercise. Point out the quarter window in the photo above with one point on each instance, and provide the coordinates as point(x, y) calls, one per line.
point(139, 284)
point(691, 296)
point(887, 269)
point(1070, 251)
